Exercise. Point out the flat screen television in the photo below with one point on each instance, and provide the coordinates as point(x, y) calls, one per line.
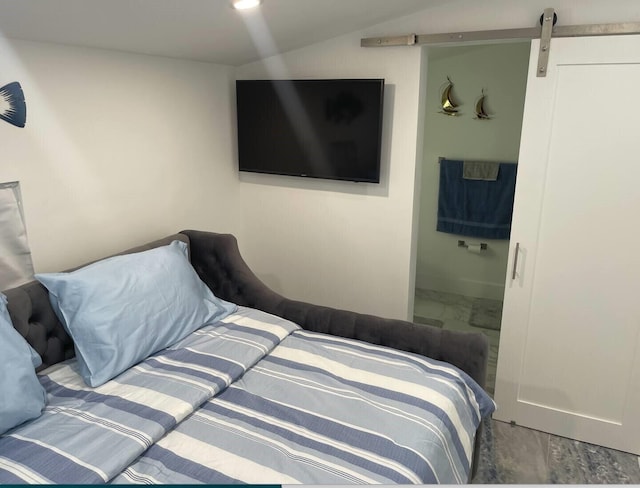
point(315, 128)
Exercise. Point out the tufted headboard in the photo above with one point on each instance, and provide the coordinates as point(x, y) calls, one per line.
point(36, 321)
point(217, 260)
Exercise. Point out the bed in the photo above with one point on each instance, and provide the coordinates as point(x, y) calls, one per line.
point(261, 389)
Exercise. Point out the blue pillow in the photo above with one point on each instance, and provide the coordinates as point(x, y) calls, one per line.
point(22, 397)
point(120, 310)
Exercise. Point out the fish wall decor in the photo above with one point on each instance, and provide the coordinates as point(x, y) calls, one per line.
point(13, 108)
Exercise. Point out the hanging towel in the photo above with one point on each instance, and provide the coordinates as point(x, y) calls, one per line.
point(475, 208)
point(480, 170)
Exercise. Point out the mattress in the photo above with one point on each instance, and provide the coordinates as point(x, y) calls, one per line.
point(254, 399)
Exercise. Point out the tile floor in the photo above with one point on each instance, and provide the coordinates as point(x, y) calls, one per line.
point(513, 454)
point(517, 455)
point(455, 313)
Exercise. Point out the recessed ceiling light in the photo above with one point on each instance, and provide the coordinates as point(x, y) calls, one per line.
point(245, 4)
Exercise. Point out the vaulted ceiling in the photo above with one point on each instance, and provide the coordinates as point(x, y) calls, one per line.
point(202, 30)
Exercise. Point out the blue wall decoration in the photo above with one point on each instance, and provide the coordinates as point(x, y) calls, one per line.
point(16, 112)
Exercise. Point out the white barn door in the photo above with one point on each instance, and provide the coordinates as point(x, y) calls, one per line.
point(570, 343)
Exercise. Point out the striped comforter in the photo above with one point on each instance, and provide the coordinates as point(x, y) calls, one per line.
point(254, 399)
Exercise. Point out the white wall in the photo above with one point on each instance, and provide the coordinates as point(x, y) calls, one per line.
point(354, 246)
point(118, 149)
point(501, 70)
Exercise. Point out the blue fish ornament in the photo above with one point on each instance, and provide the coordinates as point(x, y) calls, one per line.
point(13, 108)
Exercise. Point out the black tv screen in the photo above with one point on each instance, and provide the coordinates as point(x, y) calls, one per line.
point(316, 128)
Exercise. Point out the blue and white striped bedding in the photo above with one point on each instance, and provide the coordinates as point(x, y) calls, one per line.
point(325, 410)
point(89, 435)
point(276, 405)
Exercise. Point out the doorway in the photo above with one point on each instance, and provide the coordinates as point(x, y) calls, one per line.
point(459, 283)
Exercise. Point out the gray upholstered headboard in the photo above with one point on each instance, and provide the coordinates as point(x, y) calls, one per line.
point(36, 321)
point(217, 260)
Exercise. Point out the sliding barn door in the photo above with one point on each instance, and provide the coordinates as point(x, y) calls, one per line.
point(570, 343)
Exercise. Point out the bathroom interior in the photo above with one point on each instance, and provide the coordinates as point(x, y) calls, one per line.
point(460, 277)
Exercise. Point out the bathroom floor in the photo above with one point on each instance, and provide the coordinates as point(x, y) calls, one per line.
point(459, 312)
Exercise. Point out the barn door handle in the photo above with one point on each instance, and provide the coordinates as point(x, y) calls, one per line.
point(515, 261)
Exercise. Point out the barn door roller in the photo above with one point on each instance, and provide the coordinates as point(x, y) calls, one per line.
point(544, 32)
point(547, 20)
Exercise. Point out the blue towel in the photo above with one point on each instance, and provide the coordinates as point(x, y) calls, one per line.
point(475, 208)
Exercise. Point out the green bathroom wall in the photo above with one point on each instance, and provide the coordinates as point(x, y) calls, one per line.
point(501, 70)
